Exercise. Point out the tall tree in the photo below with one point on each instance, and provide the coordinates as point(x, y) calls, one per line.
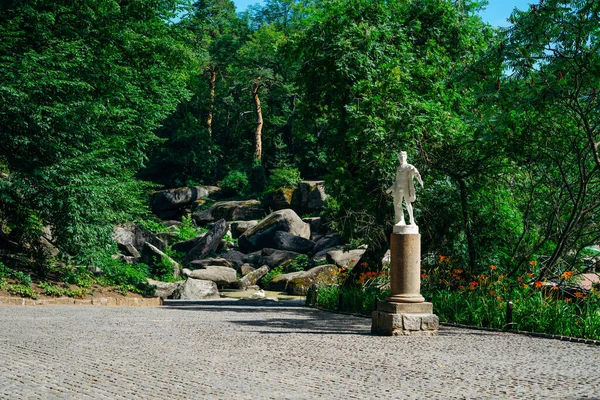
point(548, 65)
point(83, 85)
point(375, 78)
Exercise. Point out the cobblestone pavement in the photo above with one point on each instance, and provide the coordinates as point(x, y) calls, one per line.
point(241, 350)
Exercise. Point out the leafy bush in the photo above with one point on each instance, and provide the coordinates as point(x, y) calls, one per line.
point(266, 280)
point(162, 270)
point(22, 290)
point(49, 289)
point(283, 178)
point(300, 263)
point(5, 272)
point(235, 183)
point(188, 230)
point(22, 277)
point(118, 273)
point(79, 277)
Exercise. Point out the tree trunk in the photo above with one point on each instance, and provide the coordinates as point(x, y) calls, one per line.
point(259, 122)
point(211, 99)
point(467, 225)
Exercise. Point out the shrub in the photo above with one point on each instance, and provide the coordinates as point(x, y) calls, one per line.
point(79, 277)
point(283, 178)
point(118, 273)
point(266, 280)
point(235, 183)
point(22, 291)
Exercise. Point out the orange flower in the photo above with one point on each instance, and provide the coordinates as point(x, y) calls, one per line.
point(554, 287)
point(364, 264)
point(444, 259)
point(567, 274)
point(458, 271)
point(579, 295)
point(461, 287)
point(500, 277)
point(493, 267)
point(520, 279)
point(499, 298)
point(423, 275)
point(538, 284)
point(532, 262)
point(492, 292)
point(525, 286)
point(530, 275)
point(568, 300)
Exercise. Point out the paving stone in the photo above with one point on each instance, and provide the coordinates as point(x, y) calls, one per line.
point(272, 350)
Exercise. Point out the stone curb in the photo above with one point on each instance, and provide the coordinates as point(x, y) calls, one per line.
point(478, 328)
point(101, 301)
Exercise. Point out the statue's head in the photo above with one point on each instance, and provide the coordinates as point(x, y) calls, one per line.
point(402, 157)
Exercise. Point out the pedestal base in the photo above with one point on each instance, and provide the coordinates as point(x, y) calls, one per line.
point(402, 319)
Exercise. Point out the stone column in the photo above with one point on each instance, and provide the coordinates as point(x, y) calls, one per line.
point(404, 311)
point(405, 269)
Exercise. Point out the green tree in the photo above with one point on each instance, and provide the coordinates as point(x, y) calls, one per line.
point(375, 78)
point(83, 85)
point(545, 103)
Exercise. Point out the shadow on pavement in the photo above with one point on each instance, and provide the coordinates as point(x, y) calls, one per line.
point(305, 320)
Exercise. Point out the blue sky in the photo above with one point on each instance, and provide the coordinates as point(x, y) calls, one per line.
point(496, 12)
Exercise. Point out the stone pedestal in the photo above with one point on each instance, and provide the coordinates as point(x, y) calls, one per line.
point(404, 311)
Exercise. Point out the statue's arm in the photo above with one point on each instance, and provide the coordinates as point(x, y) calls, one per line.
point(418, 176)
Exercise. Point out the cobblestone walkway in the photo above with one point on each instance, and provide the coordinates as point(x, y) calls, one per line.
point(238, 350)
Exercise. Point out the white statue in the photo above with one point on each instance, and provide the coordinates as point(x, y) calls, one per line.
point(404, 188)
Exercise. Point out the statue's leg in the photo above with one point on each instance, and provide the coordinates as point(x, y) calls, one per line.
point(401, 219)
point(409, 208)
point(398, 212)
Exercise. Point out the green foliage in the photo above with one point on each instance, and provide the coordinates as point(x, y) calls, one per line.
point(188, 230)
point(235, 183)
point(49, 289)
point(21, 290)
point(274, 272)
point(79, 277)
point(126, 276)
point(300, 263)
point(283, 178)
point(82, 87)
point(3, 283)
point(5, 272)
point(355, 300)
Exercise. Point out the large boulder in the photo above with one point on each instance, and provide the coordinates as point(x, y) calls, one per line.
point(236, 257)
point(310, 196)
point(345, 259)
point(217, 274)
point(231, 211)
point(164, 290)
point(239, 227)
point(321, 256)
point(209, 242)
point(220, 262)
point(322, 275)
point(154, 257)
point(196, 289)
point(135, 235)
point(316, 224)
point(263, 234)
point(173, 199)
point(327, 242)
point(280, 199)
point(274, 258)
point(298, 283)
point(253, 277)
point(287, 241)
point(186, 245)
